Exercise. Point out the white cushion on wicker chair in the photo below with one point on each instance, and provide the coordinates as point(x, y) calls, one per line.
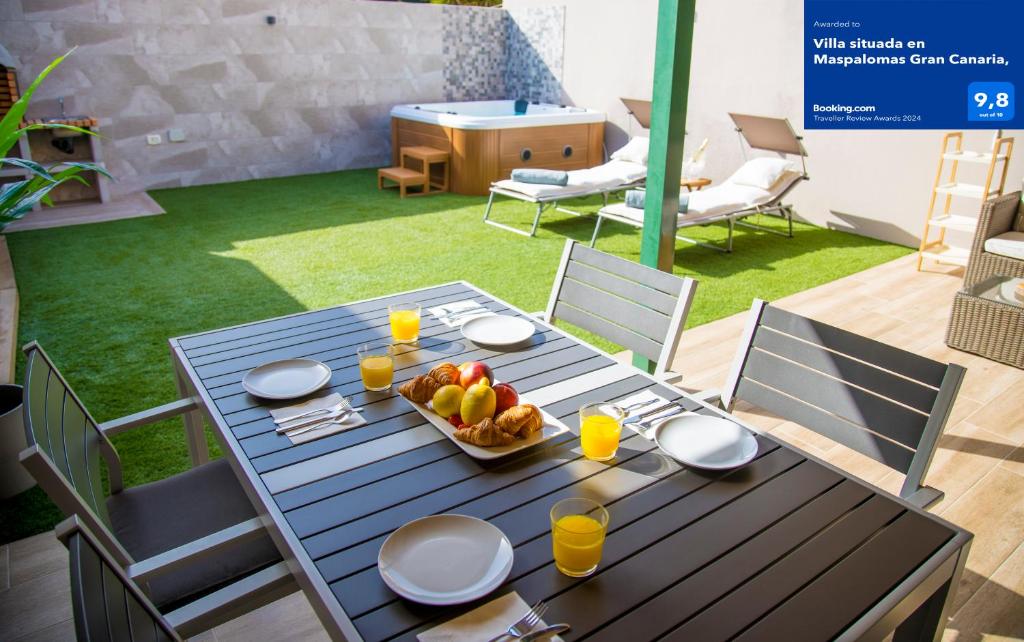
point(1008, 244)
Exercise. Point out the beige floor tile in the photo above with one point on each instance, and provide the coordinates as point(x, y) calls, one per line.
point(1014, 462)
point(32, 606)
point(985, 380)
point(996, 612)
point(290, 618)
point(966, 453)
point(34, 556)
point(993, 509)
point(1003, 416)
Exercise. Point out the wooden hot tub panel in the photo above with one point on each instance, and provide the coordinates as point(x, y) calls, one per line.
point(482, 156)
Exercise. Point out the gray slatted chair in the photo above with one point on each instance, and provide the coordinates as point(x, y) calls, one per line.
point(884, 402)
point(179, 537)
point(109, 605)
point(635, 306)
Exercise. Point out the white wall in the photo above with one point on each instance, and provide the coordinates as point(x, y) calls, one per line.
point(748, 57)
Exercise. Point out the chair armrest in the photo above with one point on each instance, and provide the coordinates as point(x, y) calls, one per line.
point(711, 397)
point(236, 599)
point(185, 554)
point(146, 417)
point(925, 497)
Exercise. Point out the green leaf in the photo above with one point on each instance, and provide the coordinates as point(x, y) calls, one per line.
point(31, 166)
point(11, 123)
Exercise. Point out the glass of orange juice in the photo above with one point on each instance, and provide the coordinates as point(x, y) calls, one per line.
point(578, 528)
point(376, 365)
point(600, 427)
point(405, 322)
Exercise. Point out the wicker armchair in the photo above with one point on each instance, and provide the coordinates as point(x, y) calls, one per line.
point(998, 215)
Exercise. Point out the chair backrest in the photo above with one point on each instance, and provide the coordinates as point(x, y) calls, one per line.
point(998, 215)
point(884, 402)
point(635, 306)
point(107, 604)
point(66, 447)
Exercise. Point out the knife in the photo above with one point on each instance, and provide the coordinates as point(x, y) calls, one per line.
point(553, 629)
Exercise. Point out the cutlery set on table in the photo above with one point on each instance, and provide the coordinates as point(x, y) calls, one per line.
point(451, 559)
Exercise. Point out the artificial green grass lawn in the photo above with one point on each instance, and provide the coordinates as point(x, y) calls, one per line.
point(103, 299)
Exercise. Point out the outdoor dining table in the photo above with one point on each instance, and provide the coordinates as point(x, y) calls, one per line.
point(785, 548)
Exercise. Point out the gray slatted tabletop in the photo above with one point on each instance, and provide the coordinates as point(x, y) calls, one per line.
point(785, 548)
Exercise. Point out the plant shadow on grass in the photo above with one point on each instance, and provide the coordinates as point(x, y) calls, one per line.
point(103, 299)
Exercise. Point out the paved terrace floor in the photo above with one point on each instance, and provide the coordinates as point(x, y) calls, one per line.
point(979, 465)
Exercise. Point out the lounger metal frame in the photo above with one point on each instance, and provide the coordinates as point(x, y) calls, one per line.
point(545, 202)
point(775, 207)
point(758, 132)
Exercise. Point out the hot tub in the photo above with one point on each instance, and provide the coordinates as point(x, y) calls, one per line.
point(487, 139)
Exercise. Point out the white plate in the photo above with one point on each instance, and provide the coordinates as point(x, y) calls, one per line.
point(552, 428)
point(706, 442)
point(286, 379)
point(445, 559)
point(498, 330)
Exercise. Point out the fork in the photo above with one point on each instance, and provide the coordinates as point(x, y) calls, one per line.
point(340, 419)
point(523, 625)
point(641, 417)
point(344, 404)
point(640, 404)
point(451, 316)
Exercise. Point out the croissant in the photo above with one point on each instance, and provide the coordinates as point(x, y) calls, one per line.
point(445, 373)
point(485, 433)
point(522, 420)
point(420, 389)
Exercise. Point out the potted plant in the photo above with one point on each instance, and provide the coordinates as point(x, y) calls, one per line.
point(19, 197)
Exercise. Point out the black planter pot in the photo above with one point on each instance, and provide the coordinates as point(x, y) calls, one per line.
point(13, 477)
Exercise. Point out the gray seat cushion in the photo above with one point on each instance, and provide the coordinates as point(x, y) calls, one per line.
point(156, 517)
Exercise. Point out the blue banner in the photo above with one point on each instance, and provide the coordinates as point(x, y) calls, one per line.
point(913, 64)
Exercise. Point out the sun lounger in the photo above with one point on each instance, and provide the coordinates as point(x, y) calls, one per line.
point(618, 174)
point(735, 199)
point(727, 203)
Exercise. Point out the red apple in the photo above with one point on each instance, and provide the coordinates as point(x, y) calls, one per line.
point(506, 398)
point(473, 371)
point(456, 421)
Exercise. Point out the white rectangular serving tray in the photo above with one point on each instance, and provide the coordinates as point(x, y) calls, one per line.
point(552, 428)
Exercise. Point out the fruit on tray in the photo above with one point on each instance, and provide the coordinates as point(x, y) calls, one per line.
point(521, 421)
point(445, 374)
point(481, 414)
point(478, 403)
point(485, 433)
point(420, 389)
point(473, 371)
point(447, 401)
point(506, 397)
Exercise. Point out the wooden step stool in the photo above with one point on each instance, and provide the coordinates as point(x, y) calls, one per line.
point(404, 178)
point(427, 158)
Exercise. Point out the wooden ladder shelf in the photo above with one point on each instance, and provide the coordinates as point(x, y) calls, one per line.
point(938, 249)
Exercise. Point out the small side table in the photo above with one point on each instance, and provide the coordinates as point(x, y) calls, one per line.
point(694, 184)
point(427, 158)
point(988, 319)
